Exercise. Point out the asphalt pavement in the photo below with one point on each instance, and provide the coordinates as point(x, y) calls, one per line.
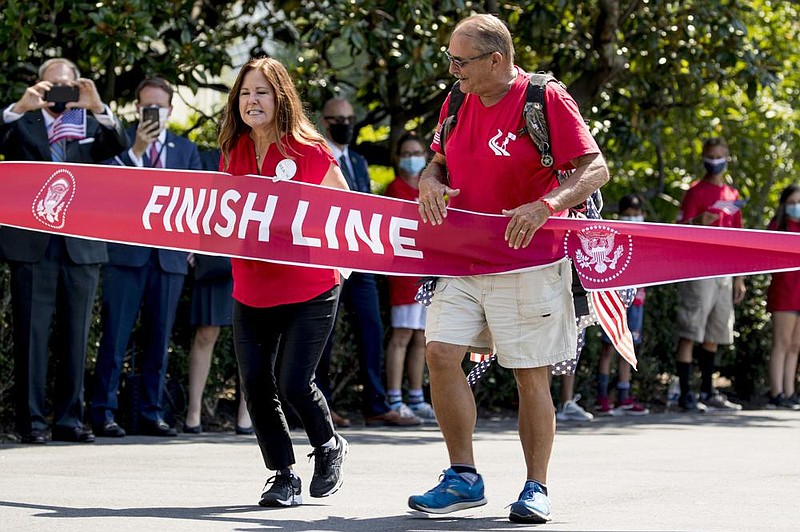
point(663, 472)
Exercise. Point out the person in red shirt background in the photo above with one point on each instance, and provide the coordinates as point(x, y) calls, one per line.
point(282, 314)
point(705, 306)
point(407, 340)
point(783, 301)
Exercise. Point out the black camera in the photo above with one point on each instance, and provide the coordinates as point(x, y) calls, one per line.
point(62, 94)
point(150, 114)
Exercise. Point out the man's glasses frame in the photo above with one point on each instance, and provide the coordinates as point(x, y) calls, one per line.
point(461, 63)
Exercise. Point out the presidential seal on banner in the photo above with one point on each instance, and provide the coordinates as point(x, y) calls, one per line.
point(51, 203)
point(599, 252)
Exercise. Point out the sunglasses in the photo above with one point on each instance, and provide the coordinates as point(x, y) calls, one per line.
point(462, 62)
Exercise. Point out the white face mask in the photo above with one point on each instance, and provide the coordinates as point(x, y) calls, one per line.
point(637, 218)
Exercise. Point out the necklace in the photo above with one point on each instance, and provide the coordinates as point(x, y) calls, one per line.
point(260, 154)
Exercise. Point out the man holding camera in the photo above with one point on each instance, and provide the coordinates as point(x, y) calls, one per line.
point(61, 118)
point(141, 278)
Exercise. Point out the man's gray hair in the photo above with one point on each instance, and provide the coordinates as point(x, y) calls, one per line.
point(56, 60)
point(490, 34)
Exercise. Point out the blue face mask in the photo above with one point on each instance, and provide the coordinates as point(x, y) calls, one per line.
point(637, 218)
point(715, 166)
point(793, 211)
point(412, 165)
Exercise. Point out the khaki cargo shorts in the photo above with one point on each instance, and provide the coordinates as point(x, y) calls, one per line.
point(705, 310)
point(527, 318)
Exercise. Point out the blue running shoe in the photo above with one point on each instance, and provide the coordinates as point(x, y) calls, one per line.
point(533, 505)
point(453, 493)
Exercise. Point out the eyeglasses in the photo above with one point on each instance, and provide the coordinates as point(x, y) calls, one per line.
point(340, 119)
point(416, 153)
point(461, 63)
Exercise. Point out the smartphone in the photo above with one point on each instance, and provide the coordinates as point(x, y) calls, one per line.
point(150, 114)
point(62, 94)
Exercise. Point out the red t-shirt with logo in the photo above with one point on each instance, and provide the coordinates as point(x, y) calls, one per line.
point(268, 284)
point(495, 163)
point(402, 289)
point(705, 196)
point(784, 290)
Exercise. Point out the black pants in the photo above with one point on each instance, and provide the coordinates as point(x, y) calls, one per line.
point(278, 349)
point(52, 291)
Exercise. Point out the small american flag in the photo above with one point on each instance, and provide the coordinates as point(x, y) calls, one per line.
point(613, 318)
point(728, 207)
point(71, 124)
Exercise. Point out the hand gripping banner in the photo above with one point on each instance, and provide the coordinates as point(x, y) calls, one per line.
point(290, 222)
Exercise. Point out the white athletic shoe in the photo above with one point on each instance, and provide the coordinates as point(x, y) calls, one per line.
point(571, 411)
point(423, 410)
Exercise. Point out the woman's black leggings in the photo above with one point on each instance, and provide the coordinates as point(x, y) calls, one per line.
point(278, 349)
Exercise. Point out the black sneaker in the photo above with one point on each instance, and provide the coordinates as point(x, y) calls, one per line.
point(783, 402)
point(689, 403)
point(285, 491)
point(328, 468)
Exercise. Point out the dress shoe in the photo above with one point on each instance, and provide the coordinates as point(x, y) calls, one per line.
point(392, 418)
point(197, 429)
point(158, 428)
point(245, 431)
point(339, 421)
point(109, 430)
point(72, 434)
point(34, 437)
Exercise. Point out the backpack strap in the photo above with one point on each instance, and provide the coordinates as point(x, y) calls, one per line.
point(535, 113)
point(453, 105)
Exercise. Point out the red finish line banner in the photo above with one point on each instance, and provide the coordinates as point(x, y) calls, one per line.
point(290, 222)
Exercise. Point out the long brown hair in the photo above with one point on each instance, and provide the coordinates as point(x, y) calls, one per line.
point(290, 118)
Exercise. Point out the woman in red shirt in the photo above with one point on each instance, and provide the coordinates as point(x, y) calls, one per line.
point(783, 300)
point(406, 345)
point(282, 314)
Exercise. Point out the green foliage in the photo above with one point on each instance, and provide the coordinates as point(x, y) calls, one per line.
point(118, 43)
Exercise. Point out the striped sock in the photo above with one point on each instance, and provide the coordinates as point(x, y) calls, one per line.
point(415, 397)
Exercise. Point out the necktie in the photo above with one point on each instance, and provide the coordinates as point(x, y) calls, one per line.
point(58, 151)
point(348, 176)
point(155, 159)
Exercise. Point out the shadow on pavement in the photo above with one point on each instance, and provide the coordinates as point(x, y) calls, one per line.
point(611, 425)
point(256, 518)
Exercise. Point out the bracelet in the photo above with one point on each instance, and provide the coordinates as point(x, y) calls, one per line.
point(548, 205)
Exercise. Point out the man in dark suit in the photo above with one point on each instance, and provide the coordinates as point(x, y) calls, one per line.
point(141, 278)
point(359, 292)
point(54, 276)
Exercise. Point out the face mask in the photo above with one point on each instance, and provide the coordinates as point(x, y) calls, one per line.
point(59, 107)
point(412, 165)
point(341, 133)
point(793, 211)
point(715, 166)
point(637, 218)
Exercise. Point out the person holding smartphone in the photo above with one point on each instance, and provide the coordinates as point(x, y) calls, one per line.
point(54, 277)
point(142, 281)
